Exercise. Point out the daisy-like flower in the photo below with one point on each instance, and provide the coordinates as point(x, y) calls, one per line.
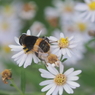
point(28, 10)
point(57, 81)
point(23, 57)
point(62, 45)
point(51, 15)
point(87, 9)
point(36, 27)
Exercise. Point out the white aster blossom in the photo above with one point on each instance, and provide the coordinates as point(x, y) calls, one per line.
point(38, 26)
point(63, 45)
point(22, 57)
point(87, 10)
point(57, 81)
point(28, 10)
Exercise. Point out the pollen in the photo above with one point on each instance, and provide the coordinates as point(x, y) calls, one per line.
point(6, 75)
point(63, 42)
point(92, 6)
point(60, 79)
point(82, 26)
point(52, 58)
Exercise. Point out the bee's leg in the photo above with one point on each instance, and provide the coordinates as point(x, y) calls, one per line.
point(45, 38)
point(25, 48)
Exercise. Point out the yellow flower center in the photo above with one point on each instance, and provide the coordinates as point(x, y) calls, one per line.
point(81, 26)
point(60, 79)
point(5, 26)
point(6, 49)
point(92, 6)
point(63, 42)
point(8, 10)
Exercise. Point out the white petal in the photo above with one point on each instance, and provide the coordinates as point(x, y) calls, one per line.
point(68, 53)
point(23, 59)
point(47, 87)
point(46, 82)
point(64, 51)
point(59, 53)
point(28, 32)
point(39, 33)
point(19, 49)
point(44, 71)
point(55, 51)
point(83, 14)
point(27, 61)
point(35, 58)
point(47, 76)
point(88, 1)
point(54, 46)
point(88, 16)
point(93, 17)
point(15, 47)
point(61, 68)
point(60, 90)
point(18, 54)
point(69, 71)
point(51, 90)
point(77, 72)
point(52, 70)
point(17, 40)
point(52, 38)
point(61, 35)
point(72, 78)
point(68, 89)
point(71, 38)
point(55, 92)
point(73, 83)
point(81, 7)
point(19, 60)
point(72, 46)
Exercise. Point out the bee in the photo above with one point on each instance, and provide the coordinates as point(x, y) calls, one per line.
point(34, 43)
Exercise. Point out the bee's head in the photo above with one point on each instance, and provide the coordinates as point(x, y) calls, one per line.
point(22, 38)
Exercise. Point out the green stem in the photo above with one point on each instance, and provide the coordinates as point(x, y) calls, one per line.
point(14, 85)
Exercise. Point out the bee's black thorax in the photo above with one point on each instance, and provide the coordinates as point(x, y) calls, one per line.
point(29, 41)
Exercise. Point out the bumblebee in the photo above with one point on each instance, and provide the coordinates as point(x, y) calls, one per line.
point(34, 43)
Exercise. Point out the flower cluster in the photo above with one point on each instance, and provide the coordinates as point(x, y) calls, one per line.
point(51, 52)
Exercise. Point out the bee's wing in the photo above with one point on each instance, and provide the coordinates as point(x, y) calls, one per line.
point(40, 53)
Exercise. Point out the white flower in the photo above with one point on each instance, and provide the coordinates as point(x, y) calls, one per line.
point(65, 9)
point(57, 80)
point(28, 10)
point(9, 27)
point(63, 45)
point(36, 27)
point(87, 10)
point(51, 12)
point(22, 57)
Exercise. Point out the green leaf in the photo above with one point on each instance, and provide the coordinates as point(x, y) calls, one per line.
point(11, 85)
point(23, 80)
point(64, 59)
